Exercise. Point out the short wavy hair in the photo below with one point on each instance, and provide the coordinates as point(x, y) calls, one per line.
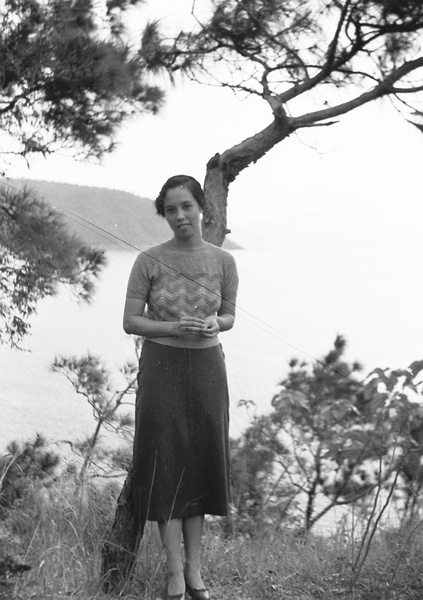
point(184, 181)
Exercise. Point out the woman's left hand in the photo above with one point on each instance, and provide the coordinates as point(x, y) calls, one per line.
point(211, 327)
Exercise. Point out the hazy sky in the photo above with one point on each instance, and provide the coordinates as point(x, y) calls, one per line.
point(360, 176)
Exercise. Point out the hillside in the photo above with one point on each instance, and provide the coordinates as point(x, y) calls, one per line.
point(103, 217)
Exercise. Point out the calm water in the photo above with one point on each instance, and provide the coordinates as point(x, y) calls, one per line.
point(33, 399)
point(296, 294)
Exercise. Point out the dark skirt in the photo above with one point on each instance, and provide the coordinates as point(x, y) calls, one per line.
point(181, 445)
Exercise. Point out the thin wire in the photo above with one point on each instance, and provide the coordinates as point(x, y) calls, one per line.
point(262, 325)
point(269, 329)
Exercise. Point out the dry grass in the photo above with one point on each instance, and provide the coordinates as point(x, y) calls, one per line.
point(62, 533)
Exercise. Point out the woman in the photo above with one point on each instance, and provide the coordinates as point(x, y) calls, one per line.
point(180, 295)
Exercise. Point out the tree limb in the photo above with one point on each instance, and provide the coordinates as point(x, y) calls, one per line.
point(384, 88)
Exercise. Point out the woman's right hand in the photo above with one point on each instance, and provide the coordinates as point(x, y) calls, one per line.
point(188, 326)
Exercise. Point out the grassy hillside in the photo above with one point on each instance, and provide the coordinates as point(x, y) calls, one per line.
point(59, 532)
point(102, 217)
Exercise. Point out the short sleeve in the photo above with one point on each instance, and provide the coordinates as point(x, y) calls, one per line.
point(230, 284)
point(139, 279)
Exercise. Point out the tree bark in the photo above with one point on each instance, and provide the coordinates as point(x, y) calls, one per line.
point(223, 169)
point(216, 189)
point(119, 551)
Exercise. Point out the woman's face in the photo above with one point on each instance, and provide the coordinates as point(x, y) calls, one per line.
point(182, 213)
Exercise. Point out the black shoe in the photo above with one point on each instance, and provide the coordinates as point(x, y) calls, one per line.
point(198, 593)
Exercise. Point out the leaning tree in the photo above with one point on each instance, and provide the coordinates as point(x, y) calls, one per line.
point(311, 61)
point(68, 78)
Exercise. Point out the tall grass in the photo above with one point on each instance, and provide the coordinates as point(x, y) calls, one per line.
point(62, 529)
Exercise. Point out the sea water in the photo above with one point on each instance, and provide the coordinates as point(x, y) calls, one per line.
point(35, 399)
point(299, 288)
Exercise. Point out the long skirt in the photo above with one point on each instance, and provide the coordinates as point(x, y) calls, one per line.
point(181, 445)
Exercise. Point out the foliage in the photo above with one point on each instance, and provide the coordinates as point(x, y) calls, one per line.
point(400, 398)
point(61, 539)
point(33, 463)
point(281, 50)
point(37, 253)
point(68, 77)
point(332, 440)
point(31, 466)
point(24, 467)
point(262, 500)
point(310, 61)
point(58, 535)
point(317, 414)
point(91, 379)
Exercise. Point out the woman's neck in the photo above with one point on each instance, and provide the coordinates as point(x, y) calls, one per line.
point(193, 243)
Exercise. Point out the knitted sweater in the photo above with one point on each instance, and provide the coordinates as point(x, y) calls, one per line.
point(175, 283)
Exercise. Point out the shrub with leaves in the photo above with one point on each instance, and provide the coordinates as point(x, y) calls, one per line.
point(332, 440)
point(93, 380)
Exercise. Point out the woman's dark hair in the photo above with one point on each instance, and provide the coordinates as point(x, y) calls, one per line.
point(184, 181)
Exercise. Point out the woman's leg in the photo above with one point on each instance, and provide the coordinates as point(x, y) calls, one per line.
point(171, 536)
point(192, 528)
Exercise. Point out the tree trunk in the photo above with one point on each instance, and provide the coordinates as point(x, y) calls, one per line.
point(120, 550)
point(216, 188)
point(222, 169)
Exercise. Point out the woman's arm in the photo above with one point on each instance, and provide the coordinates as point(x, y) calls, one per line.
point(215, 324)
point(135, 323)
point(223, 321)
point(226, 315)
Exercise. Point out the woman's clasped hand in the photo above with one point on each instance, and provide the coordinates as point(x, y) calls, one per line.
point(194, 326)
